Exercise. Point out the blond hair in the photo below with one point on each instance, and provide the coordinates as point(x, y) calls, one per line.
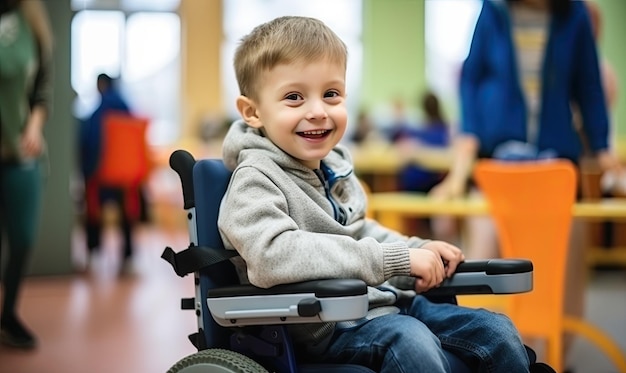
point(281, 41)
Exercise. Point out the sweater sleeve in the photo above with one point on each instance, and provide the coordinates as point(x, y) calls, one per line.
point(394, 261)
point(255, 220)
point(472, 71)
point(41, 94)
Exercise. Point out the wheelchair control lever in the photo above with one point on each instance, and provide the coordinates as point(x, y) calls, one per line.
point(309, 307)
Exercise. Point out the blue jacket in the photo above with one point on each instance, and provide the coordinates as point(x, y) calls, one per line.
point(417, 178)
point(90, 136)
point(492, 102)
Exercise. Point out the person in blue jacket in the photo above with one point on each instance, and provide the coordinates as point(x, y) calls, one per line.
point(91, 128)
point(528, 63)
point(511, 90)
point(96, 194)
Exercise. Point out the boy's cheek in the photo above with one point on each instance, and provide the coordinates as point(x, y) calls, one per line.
point(339, 115)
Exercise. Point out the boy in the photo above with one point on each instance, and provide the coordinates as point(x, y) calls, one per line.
point(295, 211)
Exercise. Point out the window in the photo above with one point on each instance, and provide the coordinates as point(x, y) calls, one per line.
point(97, 46)
point(449, 26)
point(141, 48)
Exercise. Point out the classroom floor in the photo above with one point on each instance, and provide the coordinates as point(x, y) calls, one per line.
point(102, 323)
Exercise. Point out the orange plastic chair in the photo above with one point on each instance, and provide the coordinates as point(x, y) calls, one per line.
point(124, 162)
point(531, 203)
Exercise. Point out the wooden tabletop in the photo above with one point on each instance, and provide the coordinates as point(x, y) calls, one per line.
point(386, 159)
point(417, 204)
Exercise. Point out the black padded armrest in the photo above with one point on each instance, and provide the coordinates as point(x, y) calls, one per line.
point(321, 289)
point(471, 277)
point(490, 276)
point(496, 266)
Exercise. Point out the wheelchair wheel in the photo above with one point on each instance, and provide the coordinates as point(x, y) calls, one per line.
point(216, 361)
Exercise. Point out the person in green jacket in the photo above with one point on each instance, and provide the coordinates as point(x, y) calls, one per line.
point(25, 98)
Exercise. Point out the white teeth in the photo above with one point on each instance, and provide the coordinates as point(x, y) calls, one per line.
point(317, 132)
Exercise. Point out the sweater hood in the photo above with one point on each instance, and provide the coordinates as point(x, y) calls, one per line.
point(244, 144)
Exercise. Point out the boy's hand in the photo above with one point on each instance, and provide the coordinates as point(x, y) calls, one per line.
point(450, 254)
point(434, 262)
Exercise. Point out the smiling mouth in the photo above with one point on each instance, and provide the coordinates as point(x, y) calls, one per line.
point(317, 134)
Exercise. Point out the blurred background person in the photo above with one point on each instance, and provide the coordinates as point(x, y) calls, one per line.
point(364, 130)
point(501, 102)
point(91, 129)
point(528, 61)
point(400, 122)
point(25, 102)
point(594, 182)
point(424, 150)
point(97, 194)
point(434, 132)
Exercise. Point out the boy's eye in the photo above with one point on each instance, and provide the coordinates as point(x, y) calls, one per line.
point(293, 97)
point(331, 94)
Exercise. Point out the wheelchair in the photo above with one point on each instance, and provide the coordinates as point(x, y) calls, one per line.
point(243, 329)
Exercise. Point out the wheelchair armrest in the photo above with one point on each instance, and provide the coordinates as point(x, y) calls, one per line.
point(346, 299)
point(304, 302)
point(490, 276)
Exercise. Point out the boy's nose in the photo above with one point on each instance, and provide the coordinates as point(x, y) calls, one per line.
point(316, 111)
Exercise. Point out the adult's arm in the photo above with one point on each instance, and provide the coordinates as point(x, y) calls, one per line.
point(588, 90)
point(465, 149)
point(466, 143)
point(40, 98)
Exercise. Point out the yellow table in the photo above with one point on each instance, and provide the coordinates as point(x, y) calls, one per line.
point(378, 163)
point(390, 209)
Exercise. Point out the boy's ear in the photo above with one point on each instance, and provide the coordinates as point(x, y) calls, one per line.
point(247, 110)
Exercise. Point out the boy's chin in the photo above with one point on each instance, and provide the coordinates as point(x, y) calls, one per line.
point(312, 162)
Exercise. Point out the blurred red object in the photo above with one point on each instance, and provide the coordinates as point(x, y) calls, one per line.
point(125, 160)
point(124, 163)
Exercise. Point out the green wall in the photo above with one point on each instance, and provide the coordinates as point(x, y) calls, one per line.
point(613, 48)
point(394, 61)
point(393, 50)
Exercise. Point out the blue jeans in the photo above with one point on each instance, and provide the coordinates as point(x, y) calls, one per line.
point(412, 341)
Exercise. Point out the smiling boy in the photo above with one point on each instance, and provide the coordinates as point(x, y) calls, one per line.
point(295, 211)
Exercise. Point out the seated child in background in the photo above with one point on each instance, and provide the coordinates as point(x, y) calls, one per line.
point(434, 133)
point(295, 211)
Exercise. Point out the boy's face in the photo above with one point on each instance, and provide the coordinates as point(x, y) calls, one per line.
point(301, 108)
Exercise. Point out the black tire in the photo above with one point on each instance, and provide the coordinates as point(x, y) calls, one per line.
point(216, 361)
